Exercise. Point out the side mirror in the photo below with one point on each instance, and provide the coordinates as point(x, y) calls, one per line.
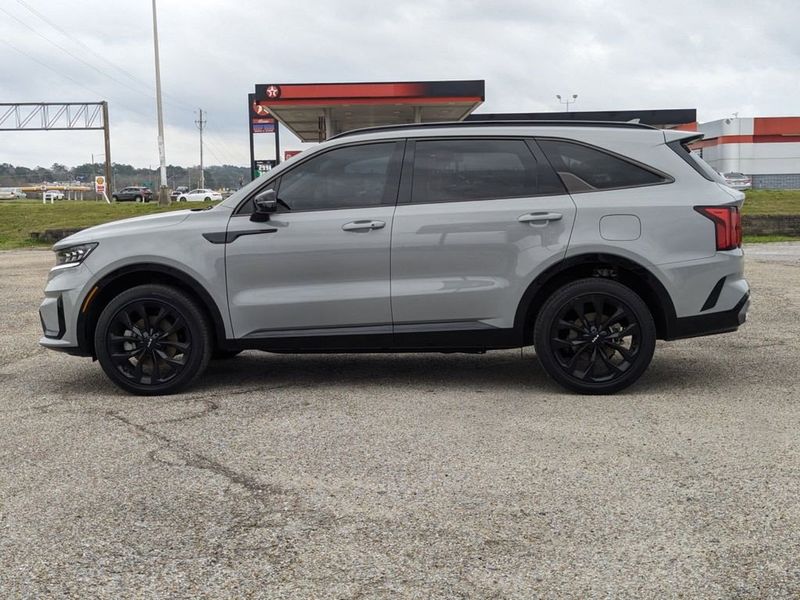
point(264, 204)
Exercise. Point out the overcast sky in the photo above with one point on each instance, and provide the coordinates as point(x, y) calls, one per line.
point(719, 56)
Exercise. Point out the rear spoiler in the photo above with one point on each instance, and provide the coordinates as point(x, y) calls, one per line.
point(685, 137)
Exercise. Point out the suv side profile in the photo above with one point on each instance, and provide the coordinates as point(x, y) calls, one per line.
point(588, 240)
point(135, 193)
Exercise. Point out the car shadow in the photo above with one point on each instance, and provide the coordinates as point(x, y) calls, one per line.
point(494, 373)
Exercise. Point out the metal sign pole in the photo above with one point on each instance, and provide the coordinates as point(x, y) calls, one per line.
point(250, 99)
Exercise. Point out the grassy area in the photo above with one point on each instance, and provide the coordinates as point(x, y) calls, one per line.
point(19, 218)
point(763, 239)
point(772, 202)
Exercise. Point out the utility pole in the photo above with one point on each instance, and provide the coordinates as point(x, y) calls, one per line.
point(200, 124)
point(163, 195)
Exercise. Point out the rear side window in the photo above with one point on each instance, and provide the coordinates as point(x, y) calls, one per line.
point(695, 160)
point(585, 169)
point(478, 169)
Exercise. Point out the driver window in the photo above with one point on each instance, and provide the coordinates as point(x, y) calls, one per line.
point(350, 177)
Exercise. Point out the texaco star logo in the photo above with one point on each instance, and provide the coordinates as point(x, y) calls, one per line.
point(273, 91)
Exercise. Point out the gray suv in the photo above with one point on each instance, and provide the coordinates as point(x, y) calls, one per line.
point(588, 240)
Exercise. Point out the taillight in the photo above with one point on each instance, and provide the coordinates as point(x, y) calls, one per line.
point(727, 225)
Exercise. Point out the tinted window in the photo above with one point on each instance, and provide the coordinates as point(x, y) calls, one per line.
point(583, 169)
point(457, 170)
point(352, 177)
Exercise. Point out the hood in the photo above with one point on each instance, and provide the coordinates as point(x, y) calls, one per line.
point(124, 226)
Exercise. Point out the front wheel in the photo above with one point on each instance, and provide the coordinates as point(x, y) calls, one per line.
point(137, 199)
point(152, 340)
point(595, 336)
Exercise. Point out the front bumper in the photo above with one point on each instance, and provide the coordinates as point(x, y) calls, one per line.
point(59, 310)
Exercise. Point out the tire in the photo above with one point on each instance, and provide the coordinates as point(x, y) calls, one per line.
point(225, 354)
point(206, 199)
point(182, 199)
point(594, 336)
point(114, 198)
point(137, 199)
point(164, 328)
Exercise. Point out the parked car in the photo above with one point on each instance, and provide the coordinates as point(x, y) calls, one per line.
point(589, 241)
point(738, 181)
point(134, 193)
point(175, 194)
point(200, 195)
point(54, 195)
point(12, 194)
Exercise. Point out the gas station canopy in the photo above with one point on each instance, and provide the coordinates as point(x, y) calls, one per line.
point(317, 111)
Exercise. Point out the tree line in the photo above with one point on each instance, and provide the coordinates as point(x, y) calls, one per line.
point(216, 177)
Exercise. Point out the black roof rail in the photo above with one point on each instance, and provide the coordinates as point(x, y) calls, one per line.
point(537, 123)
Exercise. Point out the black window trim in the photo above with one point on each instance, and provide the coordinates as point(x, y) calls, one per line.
point(681, 148)
point(407, 180)
point(243, 209)
point(667, 178)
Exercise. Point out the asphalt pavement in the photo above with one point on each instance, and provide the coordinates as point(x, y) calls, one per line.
point(413, 476)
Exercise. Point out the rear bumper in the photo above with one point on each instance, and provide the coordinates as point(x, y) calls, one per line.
point(712, 323)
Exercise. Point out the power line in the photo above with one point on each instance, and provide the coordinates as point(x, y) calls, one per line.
point(66, 51)
point(72, 79)
point(95, 53)
point(214, 154)
point(237, 154)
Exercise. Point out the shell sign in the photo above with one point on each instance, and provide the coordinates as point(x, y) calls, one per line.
point(100, 184)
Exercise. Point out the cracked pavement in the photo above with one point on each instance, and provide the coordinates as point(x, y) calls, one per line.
point(437, 476)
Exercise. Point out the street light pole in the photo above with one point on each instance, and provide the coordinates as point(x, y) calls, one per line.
point(567, 101)
point(163, 196)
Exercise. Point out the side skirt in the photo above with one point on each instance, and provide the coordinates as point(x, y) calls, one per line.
point(478, 340)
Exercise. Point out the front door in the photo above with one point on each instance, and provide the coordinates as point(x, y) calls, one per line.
point(320, 265)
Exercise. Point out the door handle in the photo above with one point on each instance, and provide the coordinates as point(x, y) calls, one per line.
point(541, 217)
point(363, 225)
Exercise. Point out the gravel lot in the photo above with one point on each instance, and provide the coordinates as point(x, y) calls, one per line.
point(437, 476)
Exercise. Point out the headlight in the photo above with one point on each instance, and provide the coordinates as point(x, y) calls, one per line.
point(74, 255)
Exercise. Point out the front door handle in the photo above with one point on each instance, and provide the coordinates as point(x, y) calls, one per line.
point(540, 217)
point(363, 225)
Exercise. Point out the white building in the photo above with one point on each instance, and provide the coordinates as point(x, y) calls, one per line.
point(765, 148)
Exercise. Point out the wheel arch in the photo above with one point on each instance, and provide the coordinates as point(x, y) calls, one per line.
point(628, 272)
point(143, 273)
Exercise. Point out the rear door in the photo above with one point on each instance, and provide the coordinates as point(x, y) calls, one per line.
point(478, 219)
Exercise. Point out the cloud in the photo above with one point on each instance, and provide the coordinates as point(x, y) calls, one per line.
point(717, 56)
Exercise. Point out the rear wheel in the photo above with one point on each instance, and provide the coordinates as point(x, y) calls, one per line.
point(138, 199)
point(206, 199)
point(595, 336)
point(152, 340)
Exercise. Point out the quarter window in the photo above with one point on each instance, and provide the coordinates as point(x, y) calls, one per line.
point(585, 169)
point(479, 169)
point(350, 177)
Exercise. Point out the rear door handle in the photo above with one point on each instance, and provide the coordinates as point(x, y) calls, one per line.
point(363, 225)
point(542, 217)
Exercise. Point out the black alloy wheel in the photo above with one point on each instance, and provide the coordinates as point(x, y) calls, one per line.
point(152, 339)
point(595, 336)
